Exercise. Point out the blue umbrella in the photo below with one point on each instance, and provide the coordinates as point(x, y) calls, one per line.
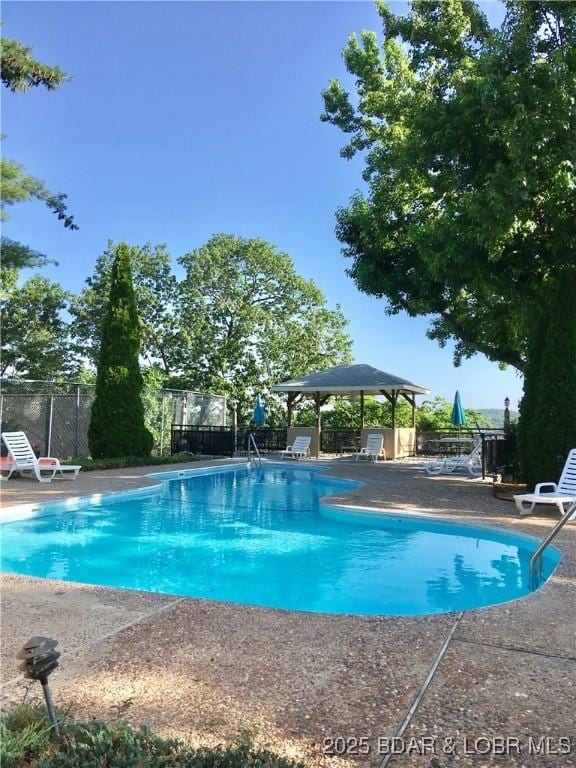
point(259, 416)
point(458, 417)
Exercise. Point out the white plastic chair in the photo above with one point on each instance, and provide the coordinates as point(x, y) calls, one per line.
point(373, 450)
point(300, 449)
point(560, 494)
point(24, 460)
point(471, 463)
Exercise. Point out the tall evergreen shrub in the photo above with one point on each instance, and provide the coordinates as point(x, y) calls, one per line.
point(547, 427)
point(117, 423)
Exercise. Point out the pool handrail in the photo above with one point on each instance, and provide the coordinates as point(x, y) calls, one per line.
point(251, 439)
point(536, 559)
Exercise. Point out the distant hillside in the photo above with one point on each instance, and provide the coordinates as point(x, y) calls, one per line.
point(496, 415)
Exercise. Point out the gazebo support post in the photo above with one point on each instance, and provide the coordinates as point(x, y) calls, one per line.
point(392, 398)
point(318, 404)
point(290, 407)
point(361, 409)
point(412, 401)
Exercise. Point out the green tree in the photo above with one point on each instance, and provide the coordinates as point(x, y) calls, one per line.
point(20, 71)
point(155, 290)
point(470, 140)
point(344, 413)
point(117, 422)
point(35, 339)
point(248, 320)
point(436, 414)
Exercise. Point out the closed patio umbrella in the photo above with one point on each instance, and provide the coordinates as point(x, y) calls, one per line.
point(458, 416)
point(259, 415)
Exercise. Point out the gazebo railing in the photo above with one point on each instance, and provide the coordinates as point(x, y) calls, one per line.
point(339, 440)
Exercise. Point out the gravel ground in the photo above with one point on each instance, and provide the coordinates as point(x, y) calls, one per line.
point(204, 670)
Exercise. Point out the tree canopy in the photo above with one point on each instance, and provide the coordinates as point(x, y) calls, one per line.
point(155, 292)
point(35, 337)
point(469, 135)
point(239, 320)
point(20, 72)
point(470, 141)
point(248, 320)
point(344, 413)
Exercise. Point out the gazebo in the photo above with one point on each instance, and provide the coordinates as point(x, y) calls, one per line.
point(355, 380)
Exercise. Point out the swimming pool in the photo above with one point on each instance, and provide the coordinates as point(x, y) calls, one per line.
point(262, 537)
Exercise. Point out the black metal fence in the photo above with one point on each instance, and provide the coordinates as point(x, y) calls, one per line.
point(208, 441)
point(497, 450)
point(225, 441)
point(268, 439)
point(339, 440)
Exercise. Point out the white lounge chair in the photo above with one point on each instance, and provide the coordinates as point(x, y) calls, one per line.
point(6, 465)
point(373, 450)
point(300, 449)
point(24, 460)
point(559, 494)
point(471, 463)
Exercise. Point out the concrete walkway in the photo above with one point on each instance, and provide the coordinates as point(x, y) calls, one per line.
point(459, 688)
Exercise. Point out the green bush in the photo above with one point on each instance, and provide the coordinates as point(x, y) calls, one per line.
point(115, 745)
point(119, 462)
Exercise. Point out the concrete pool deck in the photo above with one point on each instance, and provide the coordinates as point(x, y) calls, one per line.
point(203, 670)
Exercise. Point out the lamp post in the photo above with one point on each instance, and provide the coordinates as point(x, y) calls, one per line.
point(39, 659)
point(506, 412)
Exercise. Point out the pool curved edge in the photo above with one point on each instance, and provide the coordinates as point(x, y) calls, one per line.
point(413, 516)
point(416, 516)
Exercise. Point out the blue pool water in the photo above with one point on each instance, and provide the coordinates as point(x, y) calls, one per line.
point(263, 538)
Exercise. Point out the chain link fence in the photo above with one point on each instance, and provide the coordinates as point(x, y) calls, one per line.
point(56, 415)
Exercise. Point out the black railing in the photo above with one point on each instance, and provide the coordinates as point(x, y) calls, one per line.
point(268, 439)
point(225, 441)
point(445, 442)
point(496, 448)
point(208, 441)
point(339, 440)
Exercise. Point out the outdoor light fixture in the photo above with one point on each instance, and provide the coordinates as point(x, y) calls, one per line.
point(506, 402)
point(40, 659)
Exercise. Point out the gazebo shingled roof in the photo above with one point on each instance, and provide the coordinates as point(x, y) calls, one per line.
point(351, 379)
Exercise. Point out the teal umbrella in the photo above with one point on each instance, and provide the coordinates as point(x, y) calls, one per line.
point(259, 415)
point(458, 417)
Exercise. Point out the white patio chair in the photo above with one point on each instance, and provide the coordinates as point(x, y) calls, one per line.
point(300, 449)
point(373, 450)
point(24, 460)
point(471, 463)
point(559, 494)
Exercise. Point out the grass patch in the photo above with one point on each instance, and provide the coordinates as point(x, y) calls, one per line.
point(27, 741)
point(120, 462)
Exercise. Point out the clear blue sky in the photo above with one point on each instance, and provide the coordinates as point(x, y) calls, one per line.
point(184, 119)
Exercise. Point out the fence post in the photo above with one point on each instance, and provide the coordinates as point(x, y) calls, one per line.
point(162, 426)
point(49, 446)
point(77, 438)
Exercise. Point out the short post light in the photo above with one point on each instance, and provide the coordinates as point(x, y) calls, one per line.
point(506, 412)
point(39, 660)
